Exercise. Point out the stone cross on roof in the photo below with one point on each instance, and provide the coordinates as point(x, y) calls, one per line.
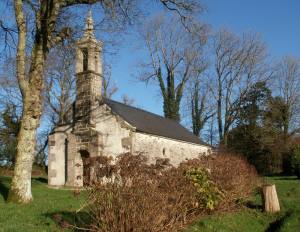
point(89, 27)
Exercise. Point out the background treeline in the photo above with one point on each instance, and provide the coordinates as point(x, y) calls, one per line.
point(228, 90)
point(225, 87)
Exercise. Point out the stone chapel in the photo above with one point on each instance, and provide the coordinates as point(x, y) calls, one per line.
point(98, 126)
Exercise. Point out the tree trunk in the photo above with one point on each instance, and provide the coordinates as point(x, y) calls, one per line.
point(270, 199)
point(31, 86)
point(225, 139)
point(219, 119)
point(20, 190)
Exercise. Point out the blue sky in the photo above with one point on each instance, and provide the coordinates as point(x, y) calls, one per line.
point(277, 21)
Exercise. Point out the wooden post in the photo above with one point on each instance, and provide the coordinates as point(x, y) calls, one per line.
point(270, 199)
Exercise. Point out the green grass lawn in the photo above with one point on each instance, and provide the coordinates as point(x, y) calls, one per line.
point(38, 215)
point(41, 213)
point(253, 220)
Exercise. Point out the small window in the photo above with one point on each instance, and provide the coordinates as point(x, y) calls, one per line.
point(96, 64)
point(85, 59)
point(164, 151)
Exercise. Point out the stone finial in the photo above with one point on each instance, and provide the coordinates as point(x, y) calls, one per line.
point(89, 26)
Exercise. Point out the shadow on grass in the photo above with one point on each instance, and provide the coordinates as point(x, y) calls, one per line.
point(67, 219)
point(3, 190)
point(286, 178)
point(276, 225)
point(253, 205)
point(41, 179)
point(282, 176)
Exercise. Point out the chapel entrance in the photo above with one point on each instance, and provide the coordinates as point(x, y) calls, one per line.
point(86, 175)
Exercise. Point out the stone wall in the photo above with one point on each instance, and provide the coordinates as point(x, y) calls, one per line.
point(57, 145)
point(115, 134)
point(155, 147)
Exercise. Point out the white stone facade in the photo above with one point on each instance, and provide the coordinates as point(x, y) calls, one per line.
point(155, 147)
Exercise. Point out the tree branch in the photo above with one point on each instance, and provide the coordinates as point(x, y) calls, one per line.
point(21, 53)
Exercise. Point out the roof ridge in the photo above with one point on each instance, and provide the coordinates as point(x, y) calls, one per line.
point(149, 112)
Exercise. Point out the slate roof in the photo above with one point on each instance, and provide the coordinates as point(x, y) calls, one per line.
point(150, 123)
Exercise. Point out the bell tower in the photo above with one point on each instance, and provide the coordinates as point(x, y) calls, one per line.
point(84, 139)
point(88, 72)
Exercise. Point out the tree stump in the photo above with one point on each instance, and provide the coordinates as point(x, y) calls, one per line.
point(270, 199)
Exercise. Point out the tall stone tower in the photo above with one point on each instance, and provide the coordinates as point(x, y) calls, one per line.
point(88, 73)
point(84, 141)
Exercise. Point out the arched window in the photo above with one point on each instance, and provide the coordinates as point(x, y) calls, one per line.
point(85, 156)
point(96, 63)
point(85, 54)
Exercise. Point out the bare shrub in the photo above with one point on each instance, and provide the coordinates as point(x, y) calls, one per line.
point(147, 198)
point(159, 197)
point(233, 175)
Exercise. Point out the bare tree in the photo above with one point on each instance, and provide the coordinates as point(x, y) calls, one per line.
point(127, 100)
point(174, 55)
point(287, 86)
point(40, 26)
point(238, 63)
point(109, 88)
point(9, 89)
point(59, 83)
point(211, 133)
point(10, 96)
point(201, 108)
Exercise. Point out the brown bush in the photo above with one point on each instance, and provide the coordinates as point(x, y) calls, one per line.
point(160, 197)
point(233, 175)
point(144, 198)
